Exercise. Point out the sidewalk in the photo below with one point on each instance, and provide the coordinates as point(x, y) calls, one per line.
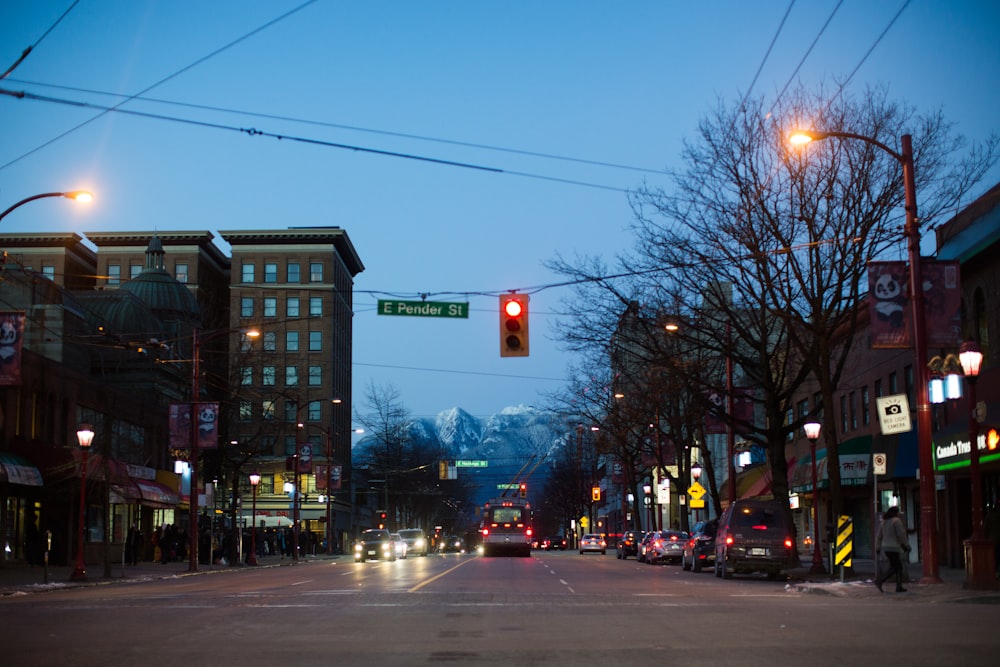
point(20, 578)
point(861, 585)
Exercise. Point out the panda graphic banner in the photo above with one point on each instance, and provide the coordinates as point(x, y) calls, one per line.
point(181, 427)
point(889, 304)
point(11, 334)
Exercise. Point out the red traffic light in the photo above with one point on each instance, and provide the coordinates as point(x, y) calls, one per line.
point(513, 325)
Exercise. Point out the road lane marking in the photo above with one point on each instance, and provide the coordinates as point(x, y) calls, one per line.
point(436, 577)
point(299, 583)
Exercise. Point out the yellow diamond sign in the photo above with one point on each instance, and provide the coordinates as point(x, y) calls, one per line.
point(696, 491)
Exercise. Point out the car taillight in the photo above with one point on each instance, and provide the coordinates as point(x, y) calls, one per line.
point(486, 531)
point(788, 543)
point(729, 540)
point(673, 538)
point(528, 532)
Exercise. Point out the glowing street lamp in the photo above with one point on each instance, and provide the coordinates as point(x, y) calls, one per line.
point(81, 196)
point(85, 436)
point(911, 231)
point(812, 432)
point(254, 482)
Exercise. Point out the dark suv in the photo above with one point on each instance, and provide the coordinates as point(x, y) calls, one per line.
point(628, 544)
point(699, 550)
point(375, 544)
point(753, 536)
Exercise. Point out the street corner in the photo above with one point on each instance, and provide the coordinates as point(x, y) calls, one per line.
point(840, 589)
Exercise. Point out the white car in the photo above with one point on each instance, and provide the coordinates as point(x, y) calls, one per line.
point(399, 544)
point(593, 542)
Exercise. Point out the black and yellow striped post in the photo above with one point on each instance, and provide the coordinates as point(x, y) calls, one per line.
point(845, 543)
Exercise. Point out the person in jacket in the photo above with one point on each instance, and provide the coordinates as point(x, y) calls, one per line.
point(892, 540)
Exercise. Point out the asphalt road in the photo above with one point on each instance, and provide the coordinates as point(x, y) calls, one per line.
point(557, 608)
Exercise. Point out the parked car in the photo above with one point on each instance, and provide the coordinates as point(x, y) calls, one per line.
point(399, 545)
point(666, 546)
point(699, 550)
point(416, 541)
point(643, 547)
point(753, 536)
point(554, 543)
point(593, 542)
point(628, 545)
point(375, 544)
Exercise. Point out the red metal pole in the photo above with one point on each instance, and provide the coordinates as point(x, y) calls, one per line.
point(193, 462)
point(817, 561)
point(80, 571)
point(253, 528)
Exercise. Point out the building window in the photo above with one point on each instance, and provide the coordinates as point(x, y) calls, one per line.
point(315, 306)
point(803, 409)
point(854, 410)
point(292, 376)
point(316, 272)
point(290, 445)
point(315, 411)
point(181, 272)
point(878, 388)
point(789, 419)
point(270, 342)
point(134, 270)
point(267, 376)
point(246, 411)
point(270, 306)
point(315, 376)
point(293, 273)
point(843, 413)
point(291, 410)
point(248, 270)
point(247, 373)
point(292, 306)
point(291, 341)
point(267, 449)
point(270, 272)
point(268, 409)
point(866, 413)
point(114, 274)
point(315, 341)
point(818, 406)
point(893, 383)
point(246, 306)
point(49, 271)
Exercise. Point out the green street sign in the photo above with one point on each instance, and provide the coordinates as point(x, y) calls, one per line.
point(508, 487)
point(424, 308)
point(471, 464)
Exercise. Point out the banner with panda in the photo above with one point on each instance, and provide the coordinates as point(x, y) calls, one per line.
point(11, 334)
point(889, 304)
point(206, 429)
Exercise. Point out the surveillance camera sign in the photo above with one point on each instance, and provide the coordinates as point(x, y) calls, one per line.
point(893, 414)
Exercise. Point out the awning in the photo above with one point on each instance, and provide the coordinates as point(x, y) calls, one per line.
point(15, 470)
point(157, 495)
point(754, 483)
point(268, 521)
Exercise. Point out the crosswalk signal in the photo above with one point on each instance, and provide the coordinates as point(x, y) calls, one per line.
point(513, 325)
point(523, 490)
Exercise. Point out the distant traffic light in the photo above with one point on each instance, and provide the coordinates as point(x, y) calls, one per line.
point(381, 517)
point(513, 325)
point(595, 494)
point(523, 490)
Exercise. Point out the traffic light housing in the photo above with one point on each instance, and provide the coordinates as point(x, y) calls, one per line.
point(595, 494)
point(523, 490)
point(513, 325)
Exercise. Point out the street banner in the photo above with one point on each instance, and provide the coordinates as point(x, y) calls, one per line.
point(891, 316)
point(11, 335)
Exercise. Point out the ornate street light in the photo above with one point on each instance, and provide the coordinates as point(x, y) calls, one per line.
point(812, 432)
point(85, 436)
point(81, 196)
point(911, 231)
point(979, 552)
point(254, 482)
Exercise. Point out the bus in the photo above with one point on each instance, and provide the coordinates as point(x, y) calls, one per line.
point(506, 527)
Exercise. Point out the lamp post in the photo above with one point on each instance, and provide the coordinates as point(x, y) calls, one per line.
point(85, 436)
point(696, 475)
point(979, 551)
point(647, 490)
point(911, 231)
point(254, 481)
point(812, 432)
point(81, 196)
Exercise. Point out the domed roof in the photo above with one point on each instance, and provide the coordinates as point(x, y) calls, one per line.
point(122, 313)
point(169, 299)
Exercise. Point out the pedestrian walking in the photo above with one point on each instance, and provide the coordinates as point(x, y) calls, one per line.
point(892, 540)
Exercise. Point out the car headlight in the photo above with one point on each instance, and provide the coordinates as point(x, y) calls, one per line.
point(357, 547)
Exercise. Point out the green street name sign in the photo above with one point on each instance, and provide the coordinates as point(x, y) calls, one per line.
point(424, 308)
point(508, 487)
point(471, 464)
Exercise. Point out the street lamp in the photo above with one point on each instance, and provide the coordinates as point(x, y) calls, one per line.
point(812, 432)
point(979, 552)
point(81, 196)
point(647, 490)
point(196, 341)
point(696, 475)
point(911, 231)
point(85, 436)
point(254, 481)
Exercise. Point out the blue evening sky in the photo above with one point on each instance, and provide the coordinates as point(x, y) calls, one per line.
point(508, 86)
